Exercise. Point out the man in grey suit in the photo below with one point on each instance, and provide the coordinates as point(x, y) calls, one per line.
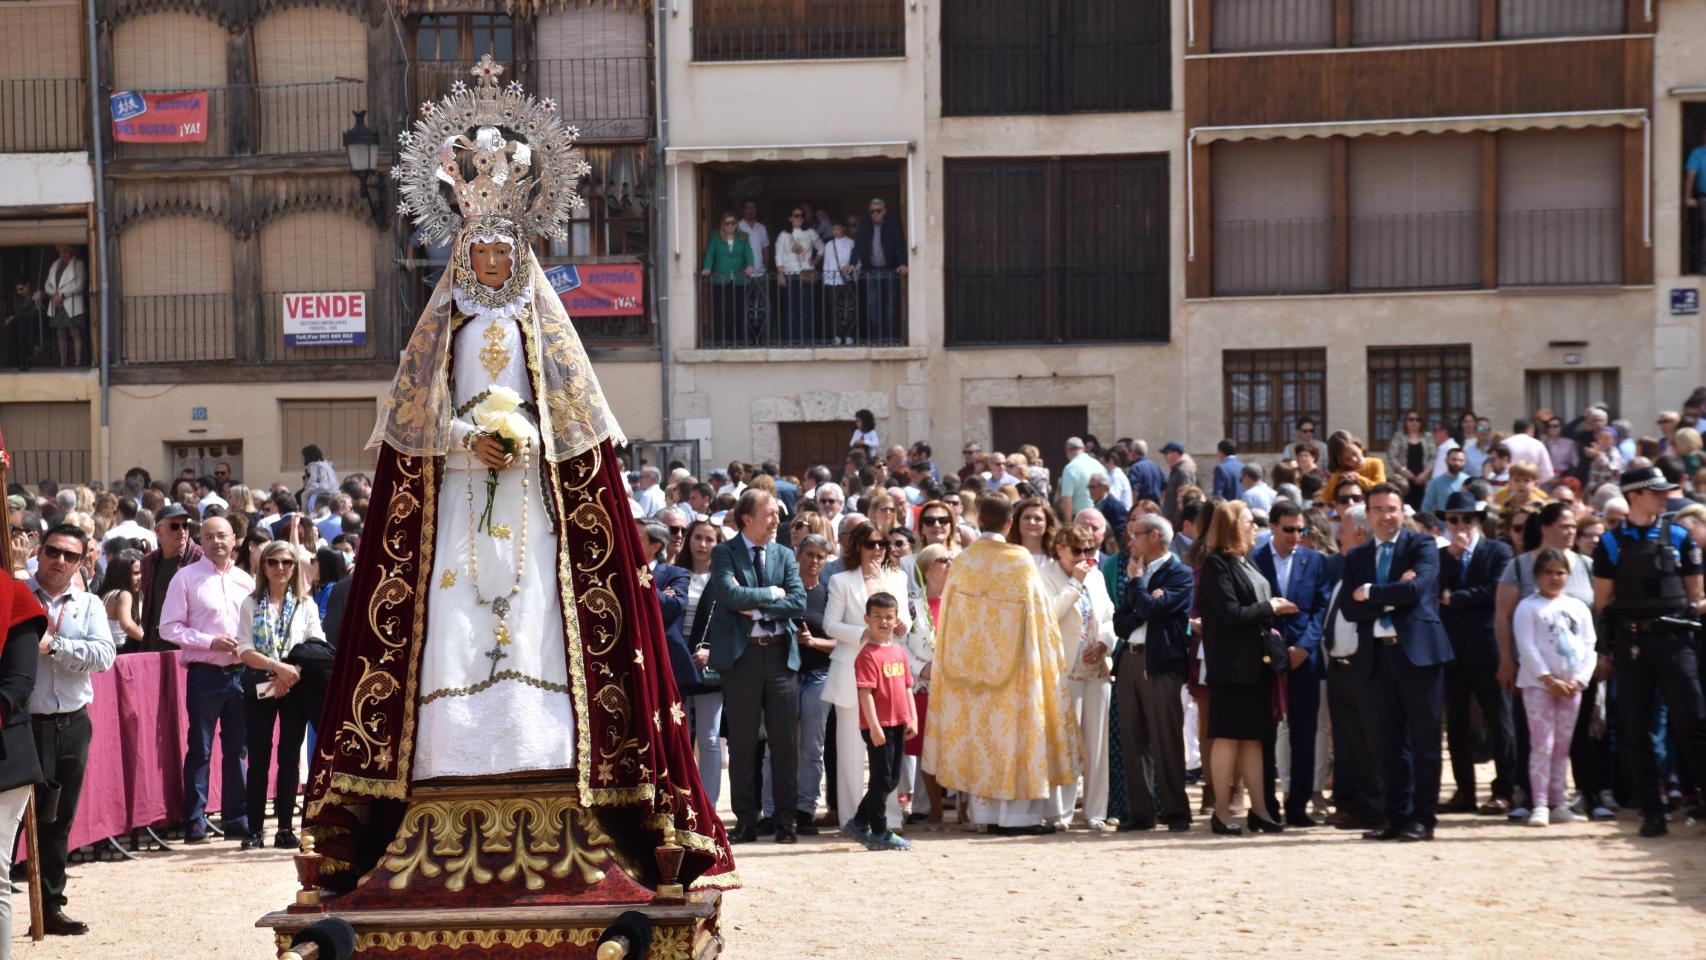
point(757, 588)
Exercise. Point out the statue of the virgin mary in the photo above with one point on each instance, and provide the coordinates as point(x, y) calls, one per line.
point(501, 620)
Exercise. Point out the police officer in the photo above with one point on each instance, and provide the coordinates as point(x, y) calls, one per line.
point(1647, 577)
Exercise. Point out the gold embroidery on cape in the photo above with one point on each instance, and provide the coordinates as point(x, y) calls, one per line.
point(446, 837)
point(429, 532)
point(594, 520)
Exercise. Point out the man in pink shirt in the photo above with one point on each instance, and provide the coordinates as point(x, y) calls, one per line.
point(200, 616)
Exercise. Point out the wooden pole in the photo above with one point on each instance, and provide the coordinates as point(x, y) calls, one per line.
point(32, 849)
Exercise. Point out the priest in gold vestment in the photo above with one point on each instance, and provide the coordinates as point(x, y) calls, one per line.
point(999, 728)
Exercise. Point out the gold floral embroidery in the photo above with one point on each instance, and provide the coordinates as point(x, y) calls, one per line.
point(447, 580)
point(501, 531)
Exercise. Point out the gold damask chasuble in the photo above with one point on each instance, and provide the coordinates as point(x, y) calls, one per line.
point(999, 725)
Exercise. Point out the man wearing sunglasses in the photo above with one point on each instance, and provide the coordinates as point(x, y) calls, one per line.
point(76, 644)
point(1469, 573)
point(172, 530)
point(1298, 574)
point(880, 254)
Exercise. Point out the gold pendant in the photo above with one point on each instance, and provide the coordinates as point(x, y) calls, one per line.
point(494, 356)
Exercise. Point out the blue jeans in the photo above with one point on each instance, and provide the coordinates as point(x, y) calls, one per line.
point(814, 718)
point(212, 696)
point(882, 307)
point(707, 721)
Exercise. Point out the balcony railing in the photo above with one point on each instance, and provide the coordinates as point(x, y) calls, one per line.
point(266, 120)
point(1561, 18)
point(43, 116)
point(190, 328)
point(1416, 251)
point(1561, 247)
point(1256, 257)
point(30, 467)
point(813, 30)
point(1035, 73)
point(608, 98)
point(1272, 24)
point(772, 310)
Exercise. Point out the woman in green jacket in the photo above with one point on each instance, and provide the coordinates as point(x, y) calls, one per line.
point(728, 262)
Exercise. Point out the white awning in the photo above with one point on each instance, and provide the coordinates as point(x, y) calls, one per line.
point(891, 149)
point(1571, 120)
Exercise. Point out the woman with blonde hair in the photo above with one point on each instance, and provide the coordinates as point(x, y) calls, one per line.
point(1038, 470)
point(273, 622)
point(1238, 610)
point(1345, 455)
point(1685, 443)
point(804, 526)
point(1086, 614)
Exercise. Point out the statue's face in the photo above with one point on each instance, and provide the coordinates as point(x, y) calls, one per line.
point(492, 263)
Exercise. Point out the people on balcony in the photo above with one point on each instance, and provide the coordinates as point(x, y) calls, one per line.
point(728, 263)
point(798, 252)
point(881, 252)
point(67, 290)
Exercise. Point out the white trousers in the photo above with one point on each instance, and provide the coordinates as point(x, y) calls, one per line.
point(1009, 813)
point(849, 763)
point(12, 803)
point(1088, 700)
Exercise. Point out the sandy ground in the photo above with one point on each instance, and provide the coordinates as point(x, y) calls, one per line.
point(1483, 889)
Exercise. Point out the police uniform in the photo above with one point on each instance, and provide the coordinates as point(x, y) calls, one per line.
point(1646, 566)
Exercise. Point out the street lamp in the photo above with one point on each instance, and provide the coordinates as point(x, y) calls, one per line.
point(361, 142)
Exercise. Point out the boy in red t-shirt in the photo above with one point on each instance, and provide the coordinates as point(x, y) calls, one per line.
point(886, 719)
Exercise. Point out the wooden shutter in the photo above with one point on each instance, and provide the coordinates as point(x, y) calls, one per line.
point(47, 441)
point(315, 251)
point(176, 304)
point(1559, 18)
point(168, 51)
point(997, 242)
point(1560, 207)
point(594, 62)
point(1407, 21)
point(1272, 24)
point(809, 444)
point(311, 75)
point(41, 40)
point(1415, 205)
point(1045, 427)
point(340, 429)
point(1273, 217)
point(1112, 218)
point(995, 57)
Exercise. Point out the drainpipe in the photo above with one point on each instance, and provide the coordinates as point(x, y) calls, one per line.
point(101, 236)
point(662, 198)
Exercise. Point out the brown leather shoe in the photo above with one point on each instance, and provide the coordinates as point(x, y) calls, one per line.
point(1459, 803)
point(1340, 816)
point(1496, 807)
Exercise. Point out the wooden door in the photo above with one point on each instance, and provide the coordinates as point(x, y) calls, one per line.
point(814, 443)
point(1046, 427)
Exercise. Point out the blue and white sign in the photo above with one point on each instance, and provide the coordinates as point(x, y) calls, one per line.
point(1685, 303)
point(128, 106)
point(563, 278)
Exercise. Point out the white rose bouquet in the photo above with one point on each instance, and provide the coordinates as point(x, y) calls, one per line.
point(498, 415)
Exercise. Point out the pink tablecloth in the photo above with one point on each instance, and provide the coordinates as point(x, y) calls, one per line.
point(136, 756)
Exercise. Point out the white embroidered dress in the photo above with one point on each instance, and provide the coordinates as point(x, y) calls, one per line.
point(478, 717)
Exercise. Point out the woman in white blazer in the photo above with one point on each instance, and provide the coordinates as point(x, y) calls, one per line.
point(1086, 615)
point(871, 569)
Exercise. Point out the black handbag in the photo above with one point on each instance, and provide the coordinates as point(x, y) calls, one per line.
point(1275, 653)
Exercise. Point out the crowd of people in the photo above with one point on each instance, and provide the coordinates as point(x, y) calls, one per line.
point(819, 281)
point(883, 645)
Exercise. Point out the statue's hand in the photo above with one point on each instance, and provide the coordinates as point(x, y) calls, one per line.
point(491, 453)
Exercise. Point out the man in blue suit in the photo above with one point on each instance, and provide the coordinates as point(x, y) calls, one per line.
point(1147, 480)
point(671, 586)
point(879, 252)
point(1298, 574)
point(757, 588)
point(1226, 483)
point(1401, 655)
point(1469, 574)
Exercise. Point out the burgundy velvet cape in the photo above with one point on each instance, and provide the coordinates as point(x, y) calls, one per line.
point(634, 753)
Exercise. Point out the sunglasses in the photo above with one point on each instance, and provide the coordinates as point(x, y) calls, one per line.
point(876, 544)
point(175, 527)
point(1459, 521)
point(1083, 551)
point(677, 531)
point(54, 553)
point(1350, 499)
point(936, 520)
point(276, 563)
point(1412, 419)
point(1291, 529)
point(796, 216)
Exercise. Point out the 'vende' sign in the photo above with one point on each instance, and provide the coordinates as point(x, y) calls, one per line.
point(325, 319)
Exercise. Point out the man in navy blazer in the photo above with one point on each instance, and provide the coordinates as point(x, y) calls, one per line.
point(1469, 574)
point(671, 586)
point(879, 252)
point(1301, 575)
point(756, 585)
point(1402, 650)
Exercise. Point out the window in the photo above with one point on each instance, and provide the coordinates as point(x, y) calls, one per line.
point(1273, 217)
point(340, 429)
point(310, 66)
point(797, 29)
point(161, 261)
point(1694, 218)
point(1021, 56)
point(819, 442)
point(1432, 380)
point(1266, 391)
point(448, 44)
point(169, 52)
point(1406, 21)
point(618, 193)
point(1560, 207)
point(47, 441)
point(1057, 251)
point(42, 100)
point(318, 251)
point(1272, 24)
point(593, 60)
point(1561, 18)
point(1415, 205)
point(1046, 427)
point(1568, 392)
